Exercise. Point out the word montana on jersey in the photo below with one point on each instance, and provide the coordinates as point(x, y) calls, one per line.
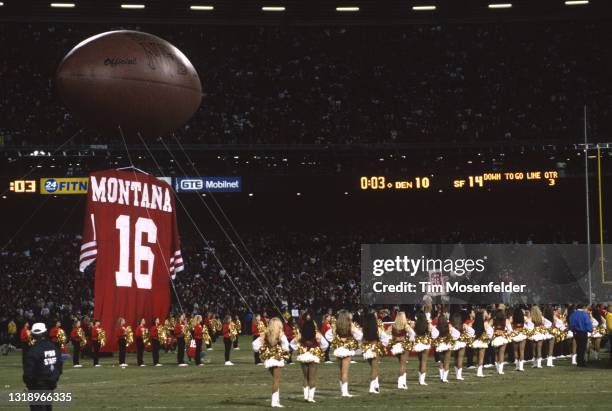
point(130, 232)
point(128, 192)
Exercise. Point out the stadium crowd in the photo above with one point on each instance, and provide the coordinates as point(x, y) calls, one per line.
point(316, 271)
point(337, 85)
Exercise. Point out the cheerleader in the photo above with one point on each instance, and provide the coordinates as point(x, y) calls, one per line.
point(500, 339)
point(443, 342)
point(77, 337)
point(538, 335)
point(422, 343)
point(230, 336)
point(258, 328)
point(462, 334)
point(482, 335)
point(375, 339)
point(179, 333)
point(198, 335)
point(519, 337)
point(121, 333)
point(345, 338)
point(273, 348)
point(403, 338)
point(310, 346)
point(238, 327)
point(599, 330)
point(156, 335)
point(96, 341)
point(141, 330)
point(549, 327)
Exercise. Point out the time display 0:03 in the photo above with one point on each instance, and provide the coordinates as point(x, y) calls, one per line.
point(382, 183)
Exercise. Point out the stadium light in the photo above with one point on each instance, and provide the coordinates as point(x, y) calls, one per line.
point(576, 2)
point(1, 4)
point(344, 9)
point(133, 6)
point(63, 5)
point(423, 8)
point(500, 5)
point(273, 8)
point(202, 8)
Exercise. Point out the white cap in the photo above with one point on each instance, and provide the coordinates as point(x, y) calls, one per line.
point(38, 328)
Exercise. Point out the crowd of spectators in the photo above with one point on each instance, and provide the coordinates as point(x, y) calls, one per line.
point(344, 85)
point(285, 270)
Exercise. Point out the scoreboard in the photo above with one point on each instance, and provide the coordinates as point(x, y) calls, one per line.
point(544, 178)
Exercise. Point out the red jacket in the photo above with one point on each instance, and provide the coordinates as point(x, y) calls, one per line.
point(94, 333)
point(254, 329)
point(226, 331)
point(154, 333)
point(120, 332)
point(288, 331)
point(74, 334)
point(198, 332)
point(326, 326)
point(53, 333)
point(140, 331)
point(23, 336)
point(178, 330)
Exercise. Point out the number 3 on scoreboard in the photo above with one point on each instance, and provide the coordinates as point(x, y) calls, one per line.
point(123, 277)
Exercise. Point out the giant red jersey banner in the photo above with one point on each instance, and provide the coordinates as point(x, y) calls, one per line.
point(130, 232)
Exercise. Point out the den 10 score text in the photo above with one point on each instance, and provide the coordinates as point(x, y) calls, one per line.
point(383, 183)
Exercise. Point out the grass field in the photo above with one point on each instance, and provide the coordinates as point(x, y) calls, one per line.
point(246, 386)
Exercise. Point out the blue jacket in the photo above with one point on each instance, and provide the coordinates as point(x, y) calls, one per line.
point(580, 321)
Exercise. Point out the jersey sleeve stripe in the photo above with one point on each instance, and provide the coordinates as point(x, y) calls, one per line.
point(86, 263)
point(88, 253)
point(89, 245)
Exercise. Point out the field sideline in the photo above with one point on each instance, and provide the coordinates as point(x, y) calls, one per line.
point(246, 386)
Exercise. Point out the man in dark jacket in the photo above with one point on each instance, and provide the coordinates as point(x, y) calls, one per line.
point(42, 365)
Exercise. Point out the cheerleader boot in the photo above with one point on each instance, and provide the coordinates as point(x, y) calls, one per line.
point(574, 358)
point(306, 393)
point(377, 384)
point(445, 376)
point(373, 389)
point(422, 378)
point(458, 372)
point(344, 389)
point(500, 368)
point(401, 382)
point(521, 365)
point(517, 365)
point(497, 367)
point(276, 400)
point(441, 372)
point(311, 393)
point(539, 363)
point(479, 372)
point(549, 362)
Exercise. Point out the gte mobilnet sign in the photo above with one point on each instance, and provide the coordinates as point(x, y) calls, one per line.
point(208, 184)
